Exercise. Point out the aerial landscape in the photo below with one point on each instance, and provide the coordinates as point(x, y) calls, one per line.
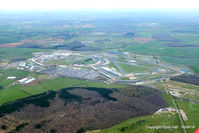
point(99, 71)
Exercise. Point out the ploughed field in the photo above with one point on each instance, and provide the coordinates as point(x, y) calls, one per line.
point(76, 109)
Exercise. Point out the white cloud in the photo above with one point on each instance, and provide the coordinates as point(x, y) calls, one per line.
point(79, 4)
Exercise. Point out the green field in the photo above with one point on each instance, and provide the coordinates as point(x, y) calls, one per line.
point(156, 48)
point(139, 125)
point(158, 85)
point(18, 74)
point(130, 68)
point(188, 56)
point(195, 69)
point(12, 93)
point(169, 99)
point(185, 85)
point(7, 53)
point(192, 113)
point(113, 65)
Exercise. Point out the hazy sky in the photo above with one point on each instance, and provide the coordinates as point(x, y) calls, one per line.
point(79, 4)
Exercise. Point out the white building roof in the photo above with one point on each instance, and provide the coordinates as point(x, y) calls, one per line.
point(23, 80)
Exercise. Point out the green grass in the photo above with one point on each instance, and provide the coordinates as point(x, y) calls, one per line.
point(130, 68)
point(189, 62)
point(150, 65)
point(194, 96)
point(59, 62)
point(178, 56)
point(145, 34)
point(3, 78)
point(112, 65)
point(22, 52)
point(152, 77)
point(153, 48)
point(9, 94)
point(138, 125)
point(184, 85)
point(195, 69)
point(33, 89)
point(88, 61)
point(121, 58)
point(59, 83)
point(158, 85)
point(192, 112)
point(189, 86)
point(169, 99)
point(124, 78)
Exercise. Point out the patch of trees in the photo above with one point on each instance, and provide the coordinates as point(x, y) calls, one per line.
point(64, 94)
point(19, 127)
point(53, 130)
point(89, 59)
point(17, 58)
point(83, 61)
point(163, 37)
point(138, 91)
point(191, 79)
point(38, 126)
point(103, 92)
point(31, 46)
point(184, 31)
point(102, 41)
point(81, 130)
point(70, 46)
point(95, 102)
point(67, 97)
point(86, 48)
point(1, 87)
point(130, 34)
point(3, 127)
point(75, 46)
point(181, 45)
point(41, 100)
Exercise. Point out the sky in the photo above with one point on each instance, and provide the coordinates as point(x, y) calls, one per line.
point(96, 4)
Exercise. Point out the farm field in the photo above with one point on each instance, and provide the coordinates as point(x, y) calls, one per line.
point(23, 52)
point(11, 94)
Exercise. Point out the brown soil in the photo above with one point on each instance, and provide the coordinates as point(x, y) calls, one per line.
point(32, 83)
point(10, 44)
point(48, 40)
point(143, 39)
point(41, 41)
